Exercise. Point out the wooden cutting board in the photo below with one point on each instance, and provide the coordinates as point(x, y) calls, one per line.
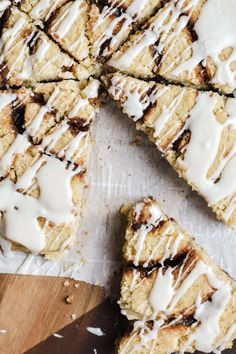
point(33, 308)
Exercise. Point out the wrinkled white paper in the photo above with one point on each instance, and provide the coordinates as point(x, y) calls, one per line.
point(123, 172)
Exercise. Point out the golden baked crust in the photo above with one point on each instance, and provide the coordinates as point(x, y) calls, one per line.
point(176, 293)
point(184, 43)
point(66, 23)
point(180, 121)
point(29, 55)
point(45, 141)
point(112, 21)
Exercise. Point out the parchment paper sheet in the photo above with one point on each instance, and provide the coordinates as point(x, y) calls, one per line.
point(122, 172)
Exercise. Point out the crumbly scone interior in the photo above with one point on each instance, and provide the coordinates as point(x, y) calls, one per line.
point(45, 142)
point(179, 300)
point(194, 130)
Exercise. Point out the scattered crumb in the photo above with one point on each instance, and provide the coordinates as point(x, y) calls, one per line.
point(76, 285)
point(136, 141)
point(57, 335)
point(73, 316)
point(109, 146)
point(3, 331)
point(84, 261)
point(96, 331)
point(66, 283)
point(130, 133)
point(69, 299)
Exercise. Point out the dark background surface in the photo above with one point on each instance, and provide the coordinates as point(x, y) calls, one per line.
point(77, 340)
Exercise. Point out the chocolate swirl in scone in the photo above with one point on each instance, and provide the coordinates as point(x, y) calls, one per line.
point(44, 149)
point(179, 300)
point(194, 130)
point(29, 55)
point(186, 42)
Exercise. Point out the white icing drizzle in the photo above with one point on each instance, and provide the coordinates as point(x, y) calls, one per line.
point(204, 143)
point(64, 22)
point(167, 291)
point(167, 113)
point(134, 12)
point(137, 99)
point(172, 244)
point(21, 211)
point(159, 243)
point(19, 145)
point(8, 37)
point(197, 271)
point(43, 6)
point(206, 134)
point(208, 314)
point(4, 4)
point(68, 152)
point(159, 30)
point(231, 331)
point(159, 300)
point(214, 35)
point(155, 217)
point(28, 62)
point(176, 244)
point(124, 19)
point(6, 99)
point(37, 121)
point(52, 177)
point(164, 297)
point(136, 8)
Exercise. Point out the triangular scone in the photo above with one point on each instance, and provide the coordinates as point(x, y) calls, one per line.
point(181, 301)
point(29, 55)
point(44, 150)
point(112, 21)
point(195, 131)
point(186, 41)
point(66, 22)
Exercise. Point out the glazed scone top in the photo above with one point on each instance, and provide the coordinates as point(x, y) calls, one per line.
point(38, 179)
point(65, 21)
point(28, 54)
point(181, 284)
point(111, 23)
point(195, 130)
point(189, 41)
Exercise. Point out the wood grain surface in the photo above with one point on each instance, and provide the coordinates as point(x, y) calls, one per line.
point(33, 307)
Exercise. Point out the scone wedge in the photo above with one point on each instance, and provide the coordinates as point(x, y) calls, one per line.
point(45, 142)
point(66, 22)
point(191, 42)
point(112, 21)
point(194, 130)
point(180, 300)
point(28, 55)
